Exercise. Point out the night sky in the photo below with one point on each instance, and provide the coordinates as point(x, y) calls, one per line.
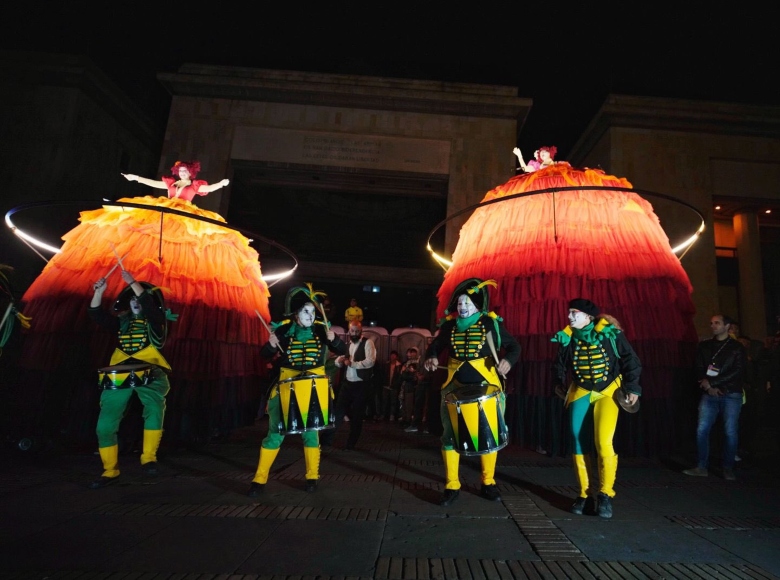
point(566, 60)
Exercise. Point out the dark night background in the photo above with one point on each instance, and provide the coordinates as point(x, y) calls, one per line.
point(565, 59)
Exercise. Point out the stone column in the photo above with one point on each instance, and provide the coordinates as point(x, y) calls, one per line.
point(751, 279)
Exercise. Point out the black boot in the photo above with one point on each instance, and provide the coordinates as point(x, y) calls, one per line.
point(150, 468)
point(490, 492)
point(102, 482)
point(255, 489)
point(311, 485)
point(578, 507)
point(605, 506)
point(449, 496)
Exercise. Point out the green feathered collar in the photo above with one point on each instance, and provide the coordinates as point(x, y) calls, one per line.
point(593, 333)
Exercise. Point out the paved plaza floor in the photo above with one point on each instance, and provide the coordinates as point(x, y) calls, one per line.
point(375, 514)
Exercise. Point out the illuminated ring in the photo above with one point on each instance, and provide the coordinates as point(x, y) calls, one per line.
point(249, 234)
point(444, 263)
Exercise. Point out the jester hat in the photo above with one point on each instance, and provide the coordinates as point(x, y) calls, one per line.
point(475, 289)
point(300, 295)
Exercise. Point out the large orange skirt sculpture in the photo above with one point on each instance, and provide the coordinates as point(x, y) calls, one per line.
point(211, 279)
point(607, 246)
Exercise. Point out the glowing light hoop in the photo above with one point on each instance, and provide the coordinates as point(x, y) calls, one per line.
point(686, 245)
point(32, 241)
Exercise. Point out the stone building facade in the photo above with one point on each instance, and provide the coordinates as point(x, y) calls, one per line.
point(724, 160)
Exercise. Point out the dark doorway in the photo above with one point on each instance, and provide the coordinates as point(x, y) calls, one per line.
point(341, 217)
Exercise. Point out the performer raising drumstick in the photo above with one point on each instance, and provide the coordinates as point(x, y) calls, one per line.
point(304, 343)
point(136, 366)
point(474, 337)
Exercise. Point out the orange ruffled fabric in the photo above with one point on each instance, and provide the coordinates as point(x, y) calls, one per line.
point(608, 246)
point(210, 275)
point(546, 249)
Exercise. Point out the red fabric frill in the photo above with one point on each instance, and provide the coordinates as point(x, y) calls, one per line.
point(210, 276)
point(546, 249)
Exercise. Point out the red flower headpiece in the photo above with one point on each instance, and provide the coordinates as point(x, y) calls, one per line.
point(552, 150)
point(192, 166)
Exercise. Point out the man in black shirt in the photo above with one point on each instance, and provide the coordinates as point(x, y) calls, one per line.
point(721, 362)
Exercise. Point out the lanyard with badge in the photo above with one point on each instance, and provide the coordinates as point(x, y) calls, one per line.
point(712, 370)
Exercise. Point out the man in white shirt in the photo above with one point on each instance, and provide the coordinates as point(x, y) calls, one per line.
point(358, 383)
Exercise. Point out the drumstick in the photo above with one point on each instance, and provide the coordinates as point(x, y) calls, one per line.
point(493, 351)
point(325, 318)
point(115, 266)
point(118, 259)
point(279, 346)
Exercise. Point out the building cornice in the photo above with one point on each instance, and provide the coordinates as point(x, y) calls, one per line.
point(347, 91)
point(663, 114)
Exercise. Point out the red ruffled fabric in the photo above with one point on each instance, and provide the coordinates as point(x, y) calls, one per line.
point(210, 276)
point(607, 246)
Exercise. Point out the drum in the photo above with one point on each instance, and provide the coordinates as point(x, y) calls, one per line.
point(124, 376)
point(307, 403)
point(477, 419)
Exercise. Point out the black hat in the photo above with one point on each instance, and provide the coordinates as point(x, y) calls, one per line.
point(585, 305)
point(300, 295)
point(475, 289)
point(123, 300)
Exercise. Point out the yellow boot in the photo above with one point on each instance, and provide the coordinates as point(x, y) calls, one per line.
point(489, 489)
point(152, 439)
point(267, 458)
point(581, 471)
point(608, 474)
point(312, 457)
point(110, 458)
point(452, 489)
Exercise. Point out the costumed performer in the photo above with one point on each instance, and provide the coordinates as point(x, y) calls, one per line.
point(137, 366)
point(543, 158)
point(304, 343)
point(186, 187)
point(211, 274)
point(605, 371)
point(10, 312)
point(474, 337)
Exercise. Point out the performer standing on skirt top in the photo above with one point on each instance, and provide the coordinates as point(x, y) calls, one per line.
point(186, 187)
point(606, 373)
point(303, 342)
point(141, 328)
point(474, 336)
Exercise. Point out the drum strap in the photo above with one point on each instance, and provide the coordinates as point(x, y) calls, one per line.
point(479, 364)
point(148, 355)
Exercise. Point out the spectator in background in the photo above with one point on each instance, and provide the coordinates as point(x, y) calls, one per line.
point(721, 363)
point(354, 313)
point(410, 373)
point(391, 388)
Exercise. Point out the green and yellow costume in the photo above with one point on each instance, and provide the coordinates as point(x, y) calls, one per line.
point(601, 361)
point(140, 338)
point(303, 351)
point(471, 360)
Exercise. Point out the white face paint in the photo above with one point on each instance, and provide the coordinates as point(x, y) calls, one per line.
point(135, 306)
point(306, 315)
point(465, 306)
point(578, 319)
point(184, 173)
